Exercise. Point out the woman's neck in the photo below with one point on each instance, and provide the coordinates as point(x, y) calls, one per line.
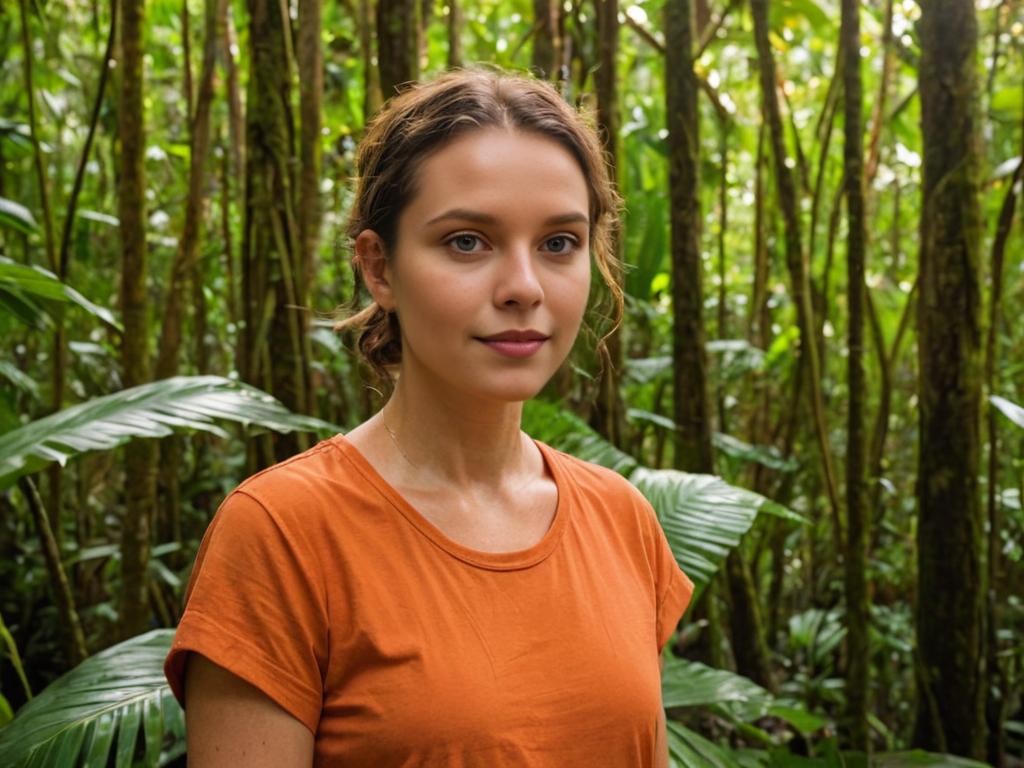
point(445, 437)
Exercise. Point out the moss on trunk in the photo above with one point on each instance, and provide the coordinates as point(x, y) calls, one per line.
point(951, 582)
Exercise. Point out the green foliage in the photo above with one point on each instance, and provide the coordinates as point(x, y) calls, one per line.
point(150, 410)
point(692, 684)
point(703, 516)
point(1012, 411)
point(24, 288)
point(752, 388)
point(17, 217)
point(93, 714)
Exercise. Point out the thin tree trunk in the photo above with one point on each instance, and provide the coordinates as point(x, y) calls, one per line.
point(186, 62)
point(398, 23)
point(996, 701)
point(795, 257)
point(59, 359)
point(454, 33)
point(188, 246)
point(857, 517)
point(880, 430)
point(951, 580)
point(878, 115)
point(271, 267)
point(825, 142)
point(140, 480)
point(236, 115)
point(184, 266)
point(37, 149)
point(759, 319)
point(692, 443)
point(226, 236)
point(609, 415)
point(691, 406)
point(723, 219)
point(545, 56)
point(311, 86)
point(70, 624)
point(371, 73)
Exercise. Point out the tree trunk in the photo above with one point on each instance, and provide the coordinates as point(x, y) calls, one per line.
point(609, 417)
point(950, 707)
point(857, 518)
point(311, 87)
point(183, 266)
point(59, 358)
point(721, 330)
point(795, 257)
point(70, 625)
point(236, 117)
point(690, 396)
point(546, 54)
point(186, 62)
point(139, 459)
point(271, 265)
point(454, 34)
point(691, 404)
point(188, 246)
point(371, 72)
point(996, 701)
point(398, 24)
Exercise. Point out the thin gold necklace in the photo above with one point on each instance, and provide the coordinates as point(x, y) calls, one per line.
point(394, 439)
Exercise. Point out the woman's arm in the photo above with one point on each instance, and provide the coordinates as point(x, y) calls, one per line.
point(230, 722)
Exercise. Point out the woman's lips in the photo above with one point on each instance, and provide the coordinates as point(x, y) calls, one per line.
point(515, 348)
point(517, 344)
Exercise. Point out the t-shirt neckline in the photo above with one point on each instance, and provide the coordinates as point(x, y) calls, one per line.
point(497, 561)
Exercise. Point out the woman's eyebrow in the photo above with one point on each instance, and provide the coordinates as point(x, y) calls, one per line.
point(466, 214)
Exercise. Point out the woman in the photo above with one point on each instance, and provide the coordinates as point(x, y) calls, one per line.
point(435, 588)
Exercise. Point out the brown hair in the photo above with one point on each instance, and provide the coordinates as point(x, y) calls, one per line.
point(423, 119)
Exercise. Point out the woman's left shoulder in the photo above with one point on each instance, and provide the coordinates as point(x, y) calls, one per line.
point(602, 482)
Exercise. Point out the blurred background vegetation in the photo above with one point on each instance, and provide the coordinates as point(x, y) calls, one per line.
point(824, 266)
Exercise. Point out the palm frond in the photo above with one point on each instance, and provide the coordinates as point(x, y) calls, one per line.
point(23, 288)
point(150, 410)
point(95, 712)
point(17, 217)
point(688, 748)
point(1009, 409)
point(686, 683)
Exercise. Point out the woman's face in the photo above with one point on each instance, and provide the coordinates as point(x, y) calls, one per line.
point(491, 269)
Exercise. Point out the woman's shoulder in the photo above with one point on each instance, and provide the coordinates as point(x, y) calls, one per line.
point(293, 472)
point(593, 478)
point(312, 483)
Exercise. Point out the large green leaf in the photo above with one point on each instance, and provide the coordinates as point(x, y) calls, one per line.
point(91, 716)
point(687, 683)
point(688, 748)
point(703, 516)
point(149, 410)
point(765, 455)
point(28, 285)
point(1009, 409)
point(16, 216)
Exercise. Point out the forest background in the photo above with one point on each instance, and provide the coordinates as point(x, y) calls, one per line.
point(824, 267)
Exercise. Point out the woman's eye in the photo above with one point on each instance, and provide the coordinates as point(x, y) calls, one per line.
point(559, 244)
point(465, 243)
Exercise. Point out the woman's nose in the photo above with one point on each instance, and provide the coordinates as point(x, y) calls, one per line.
point(518, 283)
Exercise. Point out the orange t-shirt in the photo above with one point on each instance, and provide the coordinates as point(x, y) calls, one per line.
point(396, 646)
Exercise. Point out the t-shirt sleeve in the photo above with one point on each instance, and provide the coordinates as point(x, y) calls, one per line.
point(255, 606)
point(674, 588)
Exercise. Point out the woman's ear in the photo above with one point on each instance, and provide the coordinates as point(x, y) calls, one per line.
point(371, 260)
